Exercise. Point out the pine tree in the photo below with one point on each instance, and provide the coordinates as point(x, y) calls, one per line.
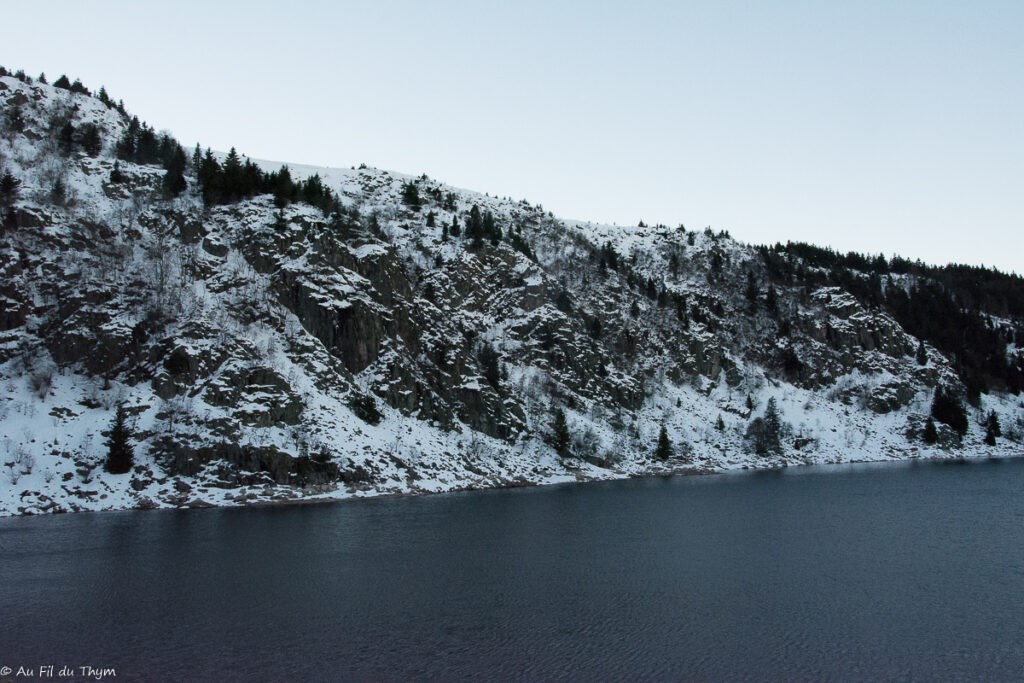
point(174, 179)
point(116, 175)
point(752, 291)
point(720, 424)
point(560, 433)
point(411, 195)
point(992, 428)
point(120, 454)
point(922, 354)
point(930, 435)
point(454, 230)
point(9, 186)
point(773, 425)
point(948, 409)
point(431, 218)
point(90, 139)
point(475, 227)
point(664, 449)
point(62, 82)
point(771, 301)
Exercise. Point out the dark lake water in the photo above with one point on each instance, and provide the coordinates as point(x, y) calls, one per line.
point(877, 572)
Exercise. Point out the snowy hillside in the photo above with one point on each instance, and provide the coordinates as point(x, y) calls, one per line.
point(269, 350)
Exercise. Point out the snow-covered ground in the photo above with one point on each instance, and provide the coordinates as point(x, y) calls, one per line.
point(266, 382)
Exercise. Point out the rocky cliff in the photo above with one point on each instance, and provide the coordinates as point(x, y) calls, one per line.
point(267, 352)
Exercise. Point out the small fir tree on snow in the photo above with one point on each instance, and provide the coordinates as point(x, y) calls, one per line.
point(720, 424)
point(116, 175)
point(90, 139)
point(663, 451)
point(120, 454)
point(411, 196)
point(765, 432)
point(431, 218)
point(948, 408)
point(560, 437)
point(922, 354)
point(9, 187)
point(992, 428)
point(929, 434)
point(455, 230)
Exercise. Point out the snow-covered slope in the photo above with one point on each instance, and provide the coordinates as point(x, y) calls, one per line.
point(268, 355)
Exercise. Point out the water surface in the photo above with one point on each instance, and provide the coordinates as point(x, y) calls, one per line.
point(893, 572)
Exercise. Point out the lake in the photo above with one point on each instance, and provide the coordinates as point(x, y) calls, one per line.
point(909, 571)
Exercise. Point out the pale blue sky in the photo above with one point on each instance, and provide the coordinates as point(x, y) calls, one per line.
point(875, 126)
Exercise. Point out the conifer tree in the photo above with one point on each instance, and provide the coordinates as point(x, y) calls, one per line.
point(664, 449)
point(992, 428)
point(948, 409)
point(922, 354)
point(771, 300)
point(560, 433)
point(930, 434)
point(411, 195)
point(454, 230)
point(174, 179)
point(751, 291)
point(431, 218)
point(120, 454)
point(90, 139)
point(9, 187)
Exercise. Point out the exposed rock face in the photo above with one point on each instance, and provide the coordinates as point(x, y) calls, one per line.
point(269, 354)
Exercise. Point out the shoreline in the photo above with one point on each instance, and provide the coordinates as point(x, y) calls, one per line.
point(681, 471)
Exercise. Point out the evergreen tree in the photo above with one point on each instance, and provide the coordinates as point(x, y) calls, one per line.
point(411, 195)
point(283, 188)
point(9, 187)
point(992, 428)
point(15, 119)
point(922, 354)
point(42, 78)
point(948, 409)
point(90, 139)
point(664, 449)
point(765, 432)
point(720, 424)
point(444, 232)
point(120, 454)
point(771, 301)
point(454, 230)
point(751, 291)
point(431, 218)
point(62, 82)
point(197, 160)
point(66, 138)
point(174, 179)
point(560, 438)
point(930, 434)
point(475, 227)
point(116, 175)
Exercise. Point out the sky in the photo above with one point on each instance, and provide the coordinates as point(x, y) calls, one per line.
point(874, 126)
